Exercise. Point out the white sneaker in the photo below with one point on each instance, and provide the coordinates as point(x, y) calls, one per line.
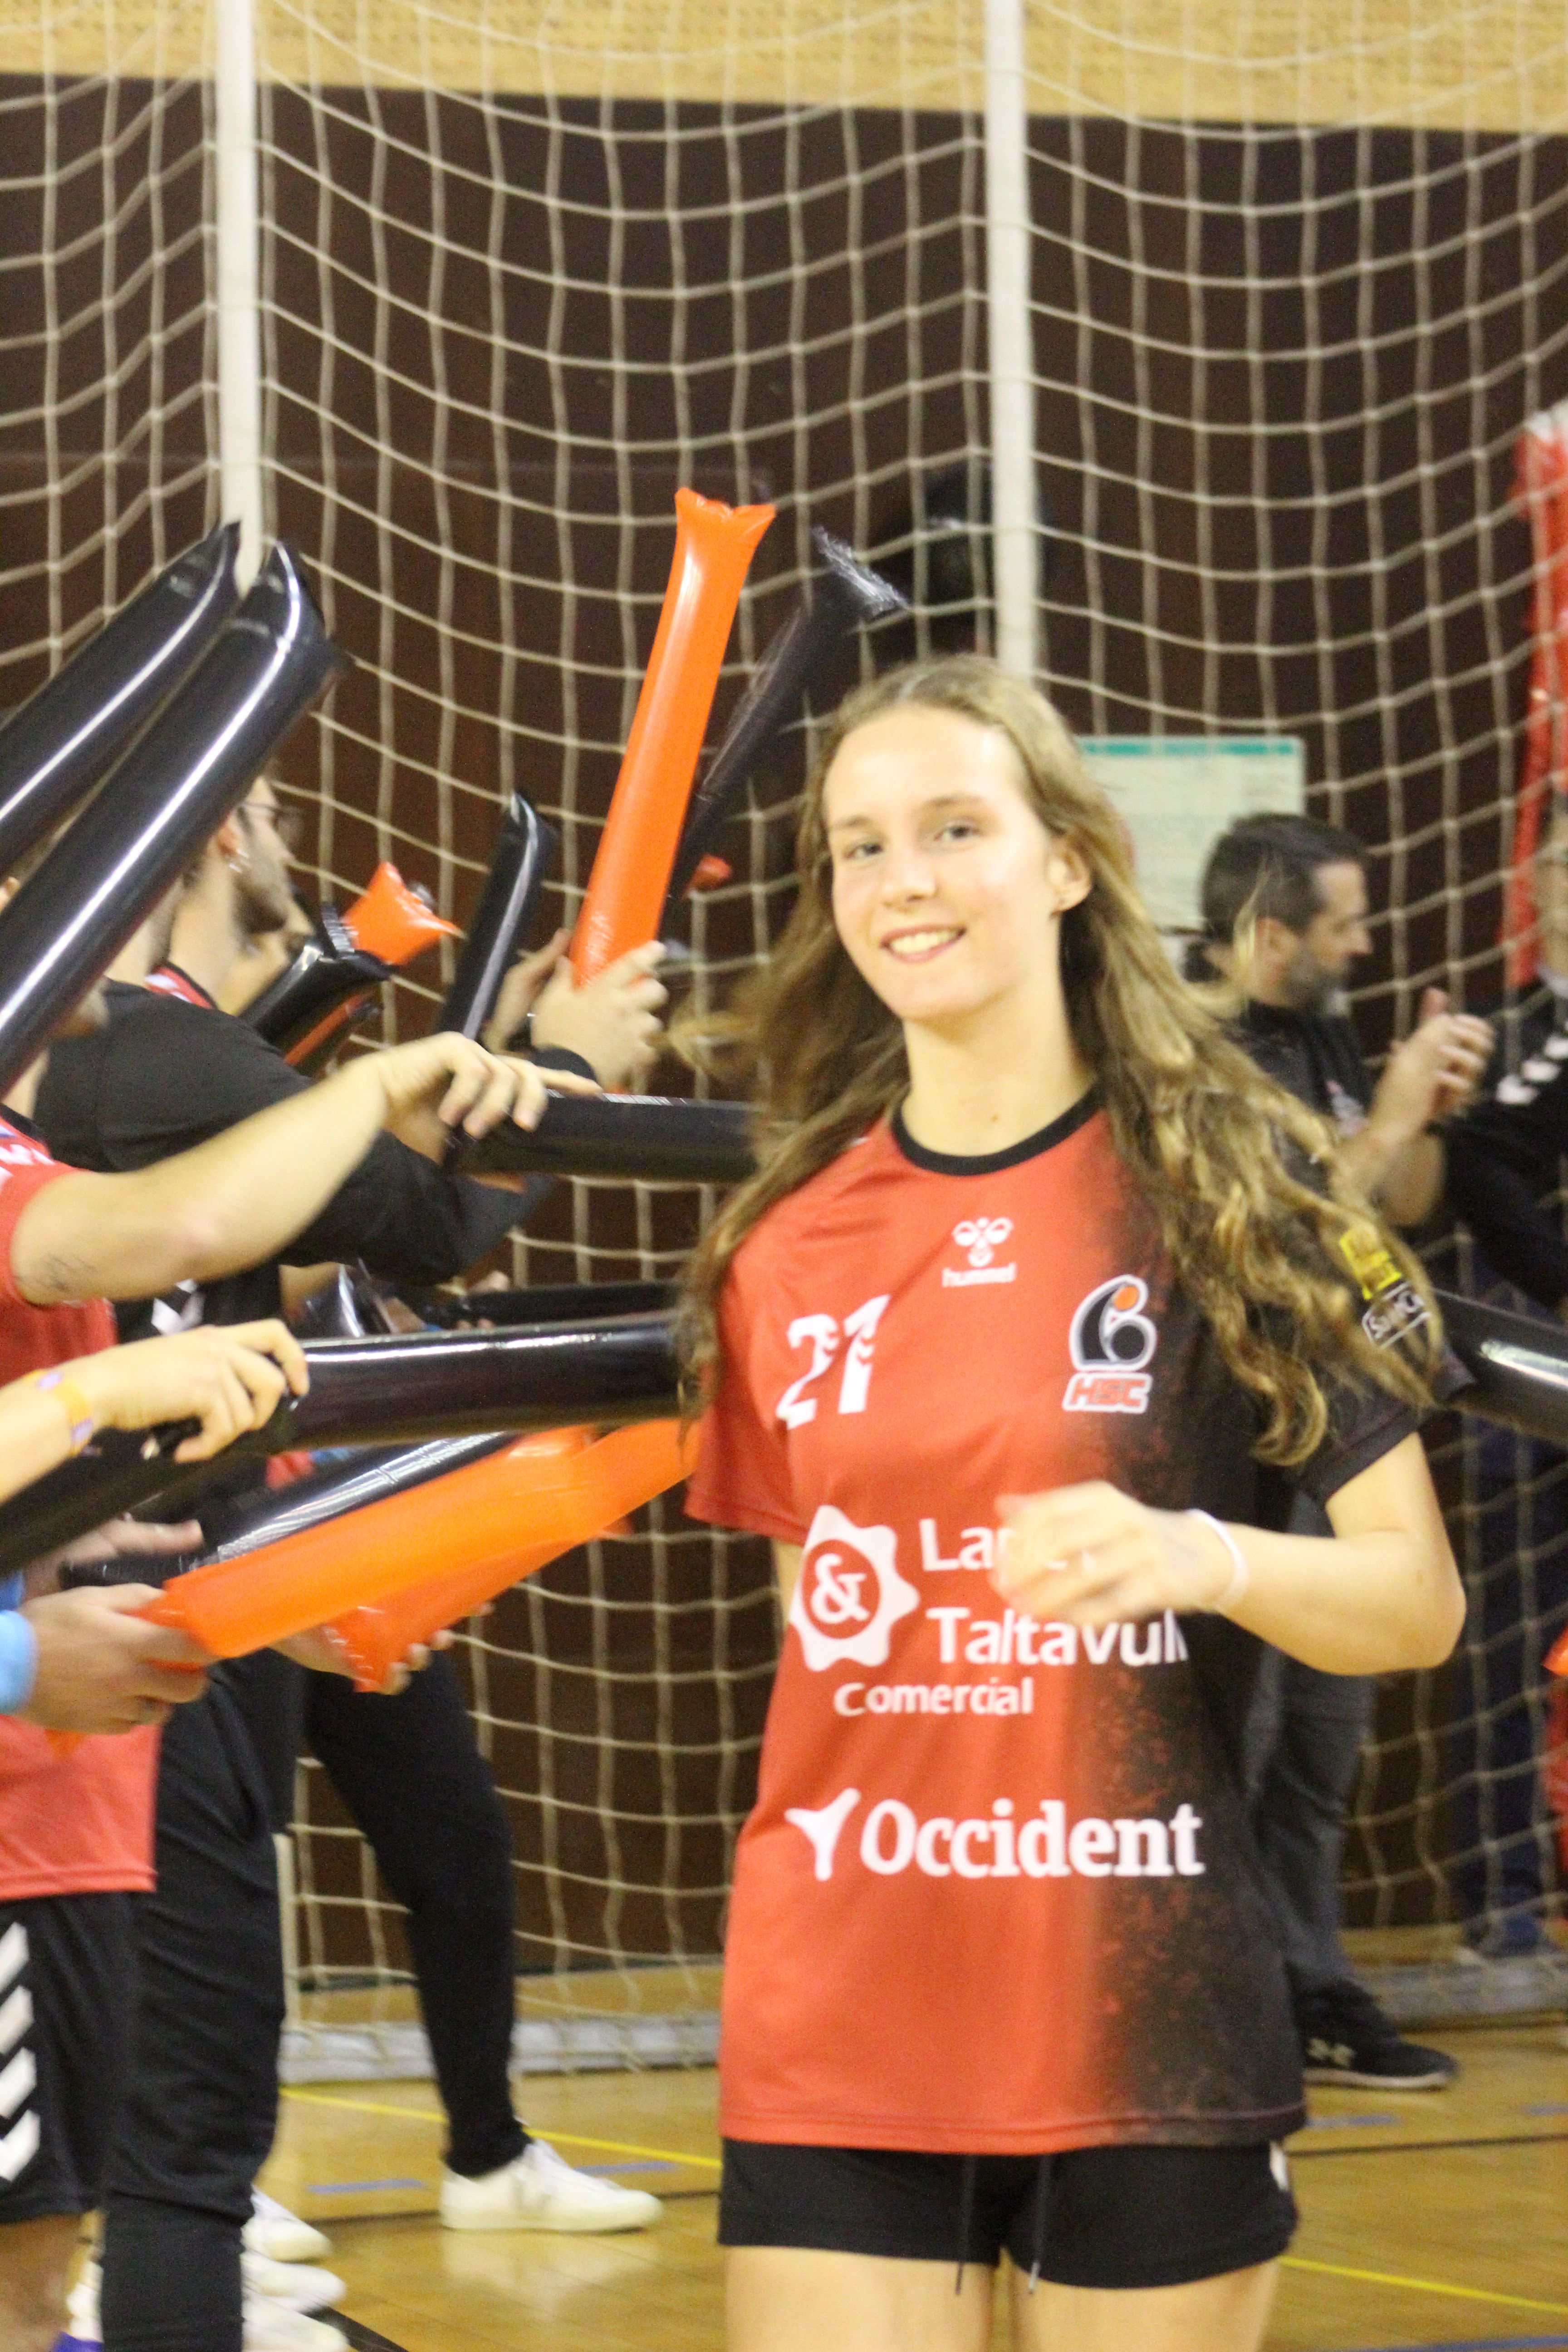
point(296, 2285)
point(269, 2325)
point(539, 2191)
point(272, 2327)
point(81, 2305)
point(281, 2235)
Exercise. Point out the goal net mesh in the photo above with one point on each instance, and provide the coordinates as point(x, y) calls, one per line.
point(1299, 278)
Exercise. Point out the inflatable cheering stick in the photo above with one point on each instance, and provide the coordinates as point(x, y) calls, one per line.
point(64, 737)
point(713, 548)
point(606, 1480)
point(318, 996)
point(1518, 1369)
point(843, 595)
point(631, 1139)
point(513, 1505)
point(512, 892)
point(174, 787)
point(1540, 489)
point(546, 1302)
point(385, 1389)
point(332, 981)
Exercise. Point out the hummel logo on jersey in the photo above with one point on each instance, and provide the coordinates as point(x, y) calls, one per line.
point(1112, 1339)
point(980, 1238)
point(850, 1594)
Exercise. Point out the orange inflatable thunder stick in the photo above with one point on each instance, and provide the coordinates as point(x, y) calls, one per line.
point(390, 920)
point(501, 1518)
point(393, 922)
point(713, 547)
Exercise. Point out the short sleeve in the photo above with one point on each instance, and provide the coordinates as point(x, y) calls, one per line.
point(22, 1177)
point(1364, 1423)
point(1366, 1420)
point(742, 1478)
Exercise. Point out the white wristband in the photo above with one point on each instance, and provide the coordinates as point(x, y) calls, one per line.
point(1240, 1574)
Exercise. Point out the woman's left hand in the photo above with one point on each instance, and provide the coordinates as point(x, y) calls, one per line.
point(1092, 1555)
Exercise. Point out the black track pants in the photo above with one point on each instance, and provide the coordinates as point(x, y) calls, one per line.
point(411, 1775)
point(201, 2102)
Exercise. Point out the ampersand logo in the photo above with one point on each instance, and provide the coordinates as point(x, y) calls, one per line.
point(850, 1594)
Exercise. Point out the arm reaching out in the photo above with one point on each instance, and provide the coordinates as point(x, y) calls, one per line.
point(240, 1198)
point(229, 1380)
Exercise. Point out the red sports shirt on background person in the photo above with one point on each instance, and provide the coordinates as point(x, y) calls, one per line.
point(87, 1823)
point(76, 1830)
point(1018, 1345)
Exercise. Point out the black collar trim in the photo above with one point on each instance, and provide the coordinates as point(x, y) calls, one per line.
point(989, 1163)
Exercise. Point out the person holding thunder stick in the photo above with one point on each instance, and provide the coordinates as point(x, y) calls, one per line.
point(76, 1823)
point(1042, 1304)
point(201, 2101)
point(83, 1661)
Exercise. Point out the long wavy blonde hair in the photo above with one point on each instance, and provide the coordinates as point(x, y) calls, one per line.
point(1208, 1139)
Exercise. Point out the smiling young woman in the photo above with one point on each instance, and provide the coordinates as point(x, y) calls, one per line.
point(1041, 1305)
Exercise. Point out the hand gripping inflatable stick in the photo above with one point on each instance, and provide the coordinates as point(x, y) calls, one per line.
point(173, 788)
point(843, 595)
point(500, 1517)
point(410, 1387)
point(64, 737)
point(610, 1478)
point(713, 547)
point(510, 895)
point(643, 1139)
point(313, 1004)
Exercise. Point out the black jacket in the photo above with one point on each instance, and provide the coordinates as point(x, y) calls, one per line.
point(165, 1075)
point(1504, 1155)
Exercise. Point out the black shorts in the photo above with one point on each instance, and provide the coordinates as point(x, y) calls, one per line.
point(1093, 2217)
point(67, 1974)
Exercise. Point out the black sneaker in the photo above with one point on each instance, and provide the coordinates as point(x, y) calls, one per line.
point(1345, 2038)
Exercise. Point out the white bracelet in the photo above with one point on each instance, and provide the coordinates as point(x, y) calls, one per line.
point(1240, 1574)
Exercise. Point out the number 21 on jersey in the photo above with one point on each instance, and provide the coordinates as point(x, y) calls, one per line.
point(822, 1335)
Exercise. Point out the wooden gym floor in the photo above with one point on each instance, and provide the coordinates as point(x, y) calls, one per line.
point(1430, 2221)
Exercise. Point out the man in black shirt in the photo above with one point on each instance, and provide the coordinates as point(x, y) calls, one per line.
point(1285, 910)
point(169, 1070)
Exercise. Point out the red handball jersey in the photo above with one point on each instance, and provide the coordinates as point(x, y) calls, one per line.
point(998, 1893)
point(80, 1823)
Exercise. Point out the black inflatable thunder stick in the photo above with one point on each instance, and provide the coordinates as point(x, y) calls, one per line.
point(521, 860)
point(841, 596)
point(634, 1139)
point(68, 735)
point(192, 766)
point(328, 969)
point(409, 1387)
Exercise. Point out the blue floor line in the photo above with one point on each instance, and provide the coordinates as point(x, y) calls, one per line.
point(648, 2164)
point(358, 2187)
point(1478, 2343)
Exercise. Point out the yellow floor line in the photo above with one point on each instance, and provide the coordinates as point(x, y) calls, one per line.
point(1421, 2285)
point(434, 2115)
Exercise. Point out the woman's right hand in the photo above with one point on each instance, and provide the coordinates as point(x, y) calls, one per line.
point(230, 1378)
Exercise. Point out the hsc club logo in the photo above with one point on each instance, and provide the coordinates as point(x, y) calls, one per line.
point(850, 1594)
point(1112, 1340)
